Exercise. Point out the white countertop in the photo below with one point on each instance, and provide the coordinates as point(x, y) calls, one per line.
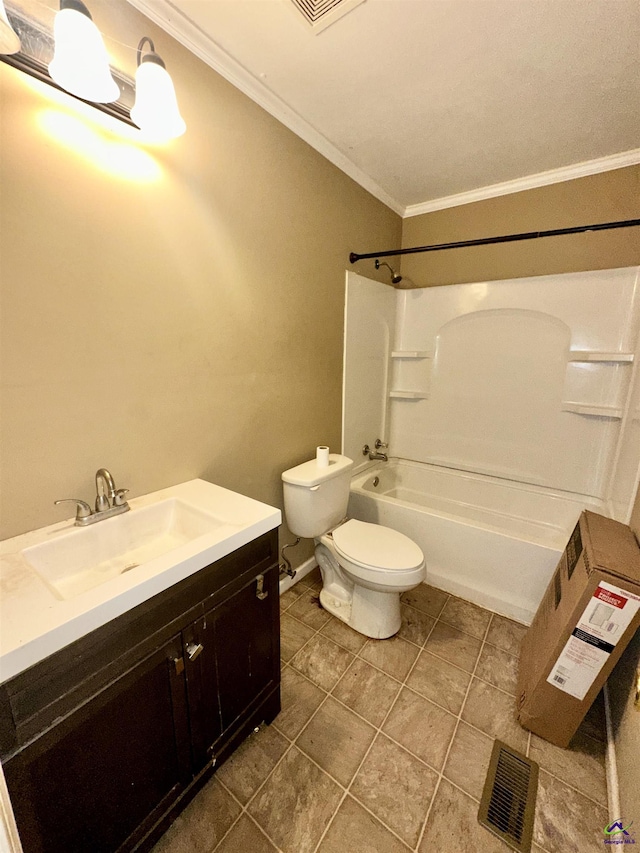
point(35, 622)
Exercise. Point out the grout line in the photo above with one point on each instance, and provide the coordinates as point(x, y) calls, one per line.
point(270, 840)
point(242, 810)
point(455, 731)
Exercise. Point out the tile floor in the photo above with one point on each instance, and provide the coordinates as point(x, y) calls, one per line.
point(382, 746)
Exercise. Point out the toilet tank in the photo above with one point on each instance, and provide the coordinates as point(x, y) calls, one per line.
point(315, 497)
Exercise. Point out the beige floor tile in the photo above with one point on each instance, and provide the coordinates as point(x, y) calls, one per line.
point(394, 656)
point(498, 668)
point(251, 763)
point(468, 760)
point(308, 610)
point(453, 825)
point(426, 598)
point(581, 765)
point(493, 712)
point(293, 635)
point(343, 635)
point(415, 626)
point(367, 691)
point(453, 645)
point(566, 821)
point(292, 594)
point(299, 699)
point(439, 681)
point(322, 661)
point(246, 837)
point(296, 803)
point(466, 617)
point(506, 634)
point(420, 726)
point(203, 823)
point(354, 830)
point(396, 787)
point(337, 740)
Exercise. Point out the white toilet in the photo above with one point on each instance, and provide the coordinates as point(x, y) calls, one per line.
point(364, 566)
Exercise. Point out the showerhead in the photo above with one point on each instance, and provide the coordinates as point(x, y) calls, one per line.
point(396, 278)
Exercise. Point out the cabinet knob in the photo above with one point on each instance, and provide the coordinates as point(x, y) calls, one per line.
point(193, 650)
point(260, 593)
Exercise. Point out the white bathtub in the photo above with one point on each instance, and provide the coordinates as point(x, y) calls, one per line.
point(490, 541)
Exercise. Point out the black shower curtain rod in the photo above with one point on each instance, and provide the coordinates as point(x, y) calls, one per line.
point(486, 241)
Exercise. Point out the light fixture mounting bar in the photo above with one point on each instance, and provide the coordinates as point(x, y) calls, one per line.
point(37, 50)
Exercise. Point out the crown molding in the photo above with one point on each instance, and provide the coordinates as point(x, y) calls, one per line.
point(542, 179)
point(176, 24)
point(168, 16)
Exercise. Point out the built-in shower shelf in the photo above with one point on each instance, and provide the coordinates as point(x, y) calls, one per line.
point(592, 411)
point(408, 395)
point(410, 353)
point(594, 355)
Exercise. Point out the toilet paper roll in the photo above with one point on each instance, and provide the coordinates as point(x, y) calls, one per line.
point(322, 456)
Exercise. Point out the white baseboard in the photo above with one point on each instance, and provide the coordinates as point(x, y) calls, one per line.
point(611, 766)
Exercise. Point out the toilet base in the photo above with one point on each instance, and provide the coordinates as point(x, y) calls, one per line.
point(370, 612)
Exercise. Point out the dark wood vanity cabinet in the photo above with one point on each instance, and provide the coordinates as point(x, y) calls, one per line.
point(105, 742)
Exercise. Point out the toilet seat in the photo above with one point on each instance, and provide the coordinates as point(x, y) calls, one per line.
point(376, 554)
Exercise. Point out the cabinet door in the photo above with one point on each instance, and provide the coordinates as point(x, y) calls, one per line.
point(247, 641)
point(99, 779)
point(202, 689)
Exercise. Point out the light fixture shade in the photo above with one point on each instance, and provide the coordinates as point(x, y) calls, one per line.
point(9, 39)
point(156, 109)
point(80, 64)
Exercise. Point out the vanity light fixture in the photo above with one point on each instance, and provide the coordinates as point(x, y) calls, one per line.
point(156, 107)
point(9, 39)
point(80, 63)
point(74, 59)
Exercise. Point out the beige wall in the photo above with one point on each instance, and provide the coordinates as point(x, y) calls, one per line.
point(608, 197)
point(185, 325)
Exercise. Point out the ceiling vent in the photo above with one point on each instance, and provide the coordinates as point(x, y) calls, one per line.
point(320, 14)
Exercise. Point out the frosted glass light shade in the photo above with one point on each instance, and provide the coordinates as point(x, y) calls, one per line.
point(156, 108)
point(80, 63)
point(9, 40)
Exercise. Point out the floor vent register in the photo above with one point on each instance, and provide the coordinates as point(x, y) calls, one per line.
point(508, 800)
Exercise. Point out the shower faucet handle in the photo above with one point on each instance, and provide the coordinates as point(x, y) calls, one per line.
point(380, 444)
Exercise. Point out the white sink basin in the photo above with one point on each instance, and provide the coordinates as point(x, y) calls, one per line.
point(87, 557)
point(61, 582)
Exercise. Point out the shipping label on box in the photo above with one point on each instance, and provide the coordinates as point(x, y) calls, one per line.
point(608, 614)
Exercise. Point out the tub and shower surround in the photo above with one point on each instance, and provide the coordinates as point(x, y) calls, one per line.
point(511, 405)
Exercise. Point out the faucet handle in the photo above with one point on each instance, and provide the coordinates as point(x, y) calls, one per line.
point(380, 444)
point(119, 497)
point(83, 510)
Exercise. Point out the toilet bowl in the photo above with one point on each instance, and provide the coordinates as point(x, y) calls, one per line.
point(365, 567)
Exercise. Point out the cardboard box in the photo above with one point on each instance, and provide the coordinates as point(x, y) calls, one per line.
point(588, 615)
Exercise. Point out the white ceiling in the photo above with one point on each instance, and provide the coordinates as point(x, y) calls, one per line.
point(421, 100)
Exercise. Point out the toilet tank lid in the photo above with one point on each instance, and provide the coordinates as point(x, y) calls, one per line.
point(311, 474)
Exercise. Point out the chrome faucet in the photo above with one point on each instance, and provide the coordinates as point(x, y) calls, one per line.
point(376, 455)
point(104, 497)
point(109, 501)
